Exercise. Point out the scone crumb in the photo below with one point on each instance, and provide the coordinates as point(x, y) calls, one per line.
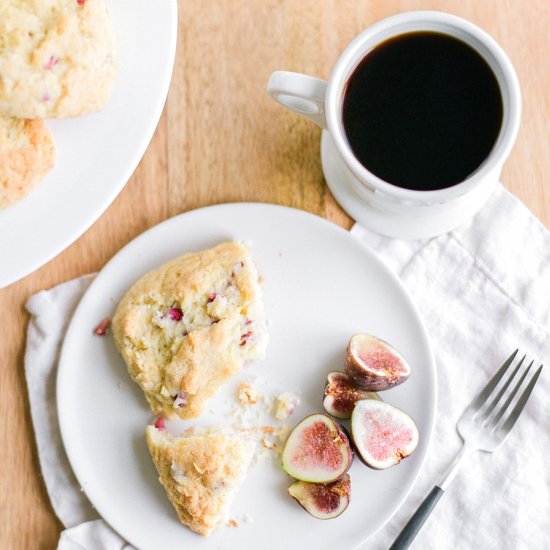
point(198, 468)
point(274, 438)
point(233, 523)
point(103, 326)
point(268, 441)
point(286, 405)
point(248, 393)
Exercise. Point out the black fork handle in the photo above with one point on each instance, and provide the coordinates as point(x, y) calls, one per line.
point(413, 526)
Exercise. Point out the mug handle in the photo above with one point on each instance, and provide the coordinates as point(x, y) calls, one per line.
point(300, 93)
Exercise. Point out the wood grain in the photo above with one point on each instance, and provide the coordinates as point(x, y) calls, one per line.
point(222, 139)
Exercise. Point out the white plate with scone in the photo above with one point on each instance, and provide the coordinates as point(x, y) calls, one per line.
point(320, 286)
point(99, 78)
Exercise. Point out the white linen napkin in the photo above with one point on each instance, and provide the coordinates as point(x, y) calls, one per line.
point(482, 291)
point(51, 311)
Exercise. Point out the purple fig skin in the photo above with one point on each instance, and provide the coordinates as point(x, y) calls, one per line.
point(373, 364)
point(341, 394)
point(323, 500)
point(396, 455)
point(317, 438)
point(344, 434)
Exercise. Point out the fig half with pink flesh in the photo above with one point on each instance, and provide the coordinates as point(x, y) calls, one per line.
point(317, 450)
point(341, 394)
point(382, 434)
point(322, 500)
point(375, 365)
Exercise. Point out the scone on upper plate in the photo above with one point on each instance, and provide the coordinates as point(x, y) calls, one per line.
point(27, 154)
point(57, 58)
point(201, 473)
point(186, 327)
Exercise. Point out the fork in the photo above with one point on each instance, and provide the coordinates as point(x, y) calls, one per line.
point(483, 426)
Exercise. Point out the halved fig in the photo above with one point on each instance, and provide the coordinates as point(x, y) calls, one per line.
point(382, 434)
point(322, 500)
point(317, 450)
point(374, 364)
point(341, 394)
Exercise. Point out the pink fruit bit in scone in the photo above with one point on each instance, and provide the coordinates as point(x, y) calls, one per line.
point(51, 62)
point(245, 337)
point(176, 314)
point(103, 327)
point(159, 423)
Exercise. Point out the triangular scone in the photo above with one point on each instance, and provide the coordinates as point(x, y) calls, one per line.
point(201, 473)
point(186, 327)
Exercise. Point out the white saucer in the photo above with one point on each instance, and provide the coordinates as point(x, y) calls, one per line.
point(350, 194)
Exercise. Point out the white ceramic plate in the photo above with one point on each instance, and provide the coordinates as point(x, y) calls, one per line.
point(322, 286)
point(96, 154)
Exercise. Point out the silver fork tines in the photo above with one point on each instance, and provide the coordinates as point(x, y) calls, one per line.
point(485, 413)
point(490, 408)
point(514, 415)
point(513, 393)
point(487, 390)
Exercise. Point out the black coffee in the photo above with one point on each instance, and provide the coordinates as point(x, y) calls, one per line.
point(422, 111)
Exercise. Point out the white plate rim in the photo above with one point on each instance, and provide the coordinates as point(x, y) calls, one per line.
point(431, 368)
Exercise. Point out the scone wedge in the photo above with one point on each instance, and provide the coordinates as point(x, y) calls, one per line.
point(27, 154)
point(186, 327)
point(201, 473)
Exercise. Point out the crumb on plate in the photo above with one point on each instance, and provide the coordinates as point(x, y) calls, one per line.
point(286, 405)
point(248, 393)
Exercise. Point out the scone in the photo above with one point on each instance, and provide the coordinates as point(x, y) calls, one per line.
point(27, 154)
point(201, 473)
point(57, 58)
point(186, 327)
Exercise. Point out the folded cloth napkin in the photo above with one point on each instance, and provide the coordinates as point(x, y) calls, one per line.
point(482, 291)
point(51, 311)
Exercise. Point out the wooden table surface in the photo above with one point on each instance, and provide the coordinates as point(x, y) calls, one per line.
point(222, 139)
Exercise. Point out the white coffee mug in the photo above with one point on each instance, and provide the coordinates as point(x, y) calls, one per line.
point(374, 203)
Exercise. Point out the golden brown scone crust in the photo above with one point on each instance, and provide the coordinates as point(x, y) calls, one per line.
point(27, 154)
point(57, 58)
point(200, 473)
point(186, 327)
